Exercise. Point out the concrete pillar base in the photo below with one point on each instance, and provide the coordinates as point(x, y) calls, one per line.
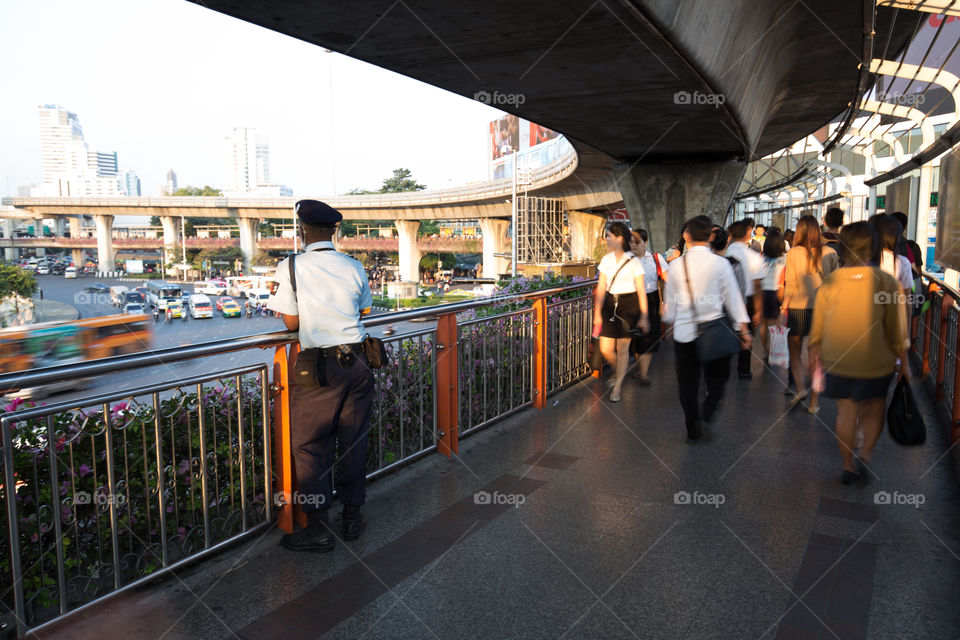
point(77, 256)
point(409, 254)
point(494, 233)
point(248, 239)
point(661, 197)
point(105, 261)
point(171, 237)
point(586, 232)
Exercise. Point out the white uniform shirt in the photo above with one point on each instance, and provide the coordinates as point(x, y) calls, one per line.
point(624, 282)
point(650, 278)
point(899, 269)
point(772, 272)
point(332, 290)
point(715, 287)
point(751, 260)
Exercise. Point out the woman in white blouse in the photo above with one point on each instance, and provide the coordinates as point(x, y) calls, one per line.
point(654, 270)
point(617, 308)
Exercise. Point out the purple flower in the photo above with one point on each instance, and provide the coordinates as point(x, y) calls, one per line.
point(84, 469)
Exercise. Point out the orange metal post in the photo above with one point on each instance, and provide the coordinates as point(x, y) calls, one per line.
point(955, 423)
point(540, 347)
point(448, 384)
point(283, 458)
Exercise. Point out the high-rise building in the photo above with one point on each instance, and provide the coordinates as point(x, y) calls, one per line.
point(129, 183)
point(248, 165)
point(69, 168)
point(170, 183)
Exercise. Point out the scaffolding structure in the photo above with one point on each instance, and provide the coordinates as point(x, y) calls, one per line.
point(540, 224)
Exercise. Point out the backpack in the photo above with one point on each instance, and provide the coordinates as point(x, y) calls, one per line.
point(738, 271)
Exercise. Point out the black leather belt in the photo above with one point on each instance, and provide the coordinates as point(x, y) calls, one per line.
point(327, 352)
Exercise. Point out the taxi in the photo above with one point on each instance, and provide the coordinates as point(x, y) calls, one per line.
point(175, 307)
point(230, 309)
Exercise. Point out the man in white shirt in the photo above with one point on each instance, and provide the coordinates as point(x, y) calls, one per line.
point(323, 294)
point(715, 289)
point(750, 276)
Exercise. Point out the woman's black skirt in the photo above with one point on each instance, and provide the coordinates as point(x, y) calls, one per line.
point(626, 306)
point(650, 341)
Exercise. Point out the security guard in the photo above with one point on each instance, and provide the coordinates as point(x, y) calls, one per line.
point(325, 303)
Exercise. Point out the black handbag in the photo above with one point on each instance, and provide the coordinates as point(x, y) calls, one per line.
point(716, 339)
point(903, 417)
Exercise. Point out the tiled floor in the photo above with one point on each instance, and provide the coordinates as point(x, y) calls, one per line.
point(596, 520)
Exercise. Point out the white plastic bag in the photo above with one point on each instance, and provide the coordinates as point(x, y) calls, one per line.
point(779, 352)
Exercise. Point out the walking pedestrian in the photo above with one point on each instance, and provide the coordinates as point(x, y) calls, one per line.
point(654, 272)
point(858, 331)
point(323, 293)
point(774, 263)
point(619, 306)
point(807, 264)
point(748, 267)
point(700, 287)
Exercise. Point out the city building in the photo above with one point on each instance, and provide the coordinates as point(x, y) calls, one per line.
point(248, 165)
point(169, 183)
point(129, 183)
point(69, 167)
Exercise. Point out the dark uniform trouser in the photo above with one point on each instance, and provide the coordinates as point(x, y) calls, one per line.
point(743, 358)
point(322, 416)
point(716, 374)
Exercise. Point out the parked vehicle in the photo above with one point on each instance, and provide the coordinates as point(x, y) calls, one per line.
point(70, 272)
point(210, 288)
point(200, 306)
point(43, 270)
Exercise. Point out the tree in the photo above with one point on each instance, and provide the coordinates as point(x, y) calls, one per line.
point(16, 281)
point(205, 190)
point(401, 182)
point(357, 191)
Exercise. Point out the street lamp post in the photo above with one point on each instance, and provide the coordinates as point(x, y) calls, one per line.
point(183, 243)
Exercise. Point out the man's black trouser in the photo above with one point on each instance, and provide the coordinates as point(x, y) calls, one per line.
point(689, 368)
point(743, 358)
point(322, 417)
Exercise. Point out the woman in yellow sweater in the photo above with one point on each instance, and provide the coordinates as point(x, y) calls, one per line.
point(859, 330)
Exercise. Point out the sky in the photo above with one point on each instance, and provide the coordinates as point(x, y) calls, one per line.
point(163, 82)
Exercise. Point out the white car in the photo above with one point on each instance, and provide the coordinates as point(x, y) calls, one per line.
point(200, 306)
point(43, 270)
point(210, 288)
point(70, 272)
point(133, 308)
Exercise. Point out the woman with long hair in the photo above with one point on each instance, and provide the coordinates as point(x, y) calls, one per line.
point(774, 263)
point(654, 270)
point(619, 307)
point(859, 331)
point(807, 264)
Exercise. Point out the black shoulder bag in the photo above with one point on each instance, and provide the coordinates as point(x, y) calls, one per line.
point(715, 338)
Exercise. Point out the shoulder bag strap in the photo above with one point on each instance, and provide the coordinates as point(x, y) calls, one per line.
point(686, 278)
point(293, 272)
point(616, 273)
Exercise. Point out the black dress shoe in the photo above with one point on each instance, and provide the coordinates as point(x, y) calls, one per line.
point(313, 538)
point(353, 522)
point(849, 477)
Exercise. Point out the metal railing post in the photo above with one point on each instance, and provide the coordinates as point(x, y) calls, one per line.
point(448, 385)
point(943, 310)
point(540, 347)
point(925, 358)
point(283, 450)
